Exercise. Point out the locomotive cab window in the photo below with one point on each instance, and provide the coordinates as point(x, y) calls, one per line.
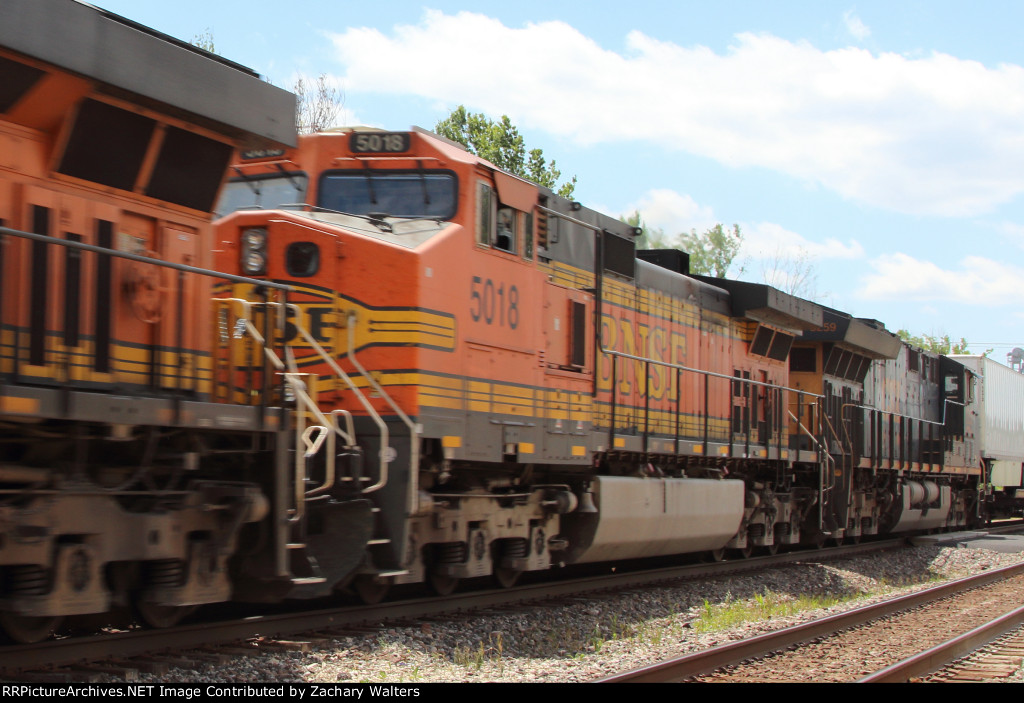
point(952, 385)
point(484, 213)
point(506, 232)
point(499, 226)
point(368, 191)
point(527, 219)
point(302, 259)
point(262, 192)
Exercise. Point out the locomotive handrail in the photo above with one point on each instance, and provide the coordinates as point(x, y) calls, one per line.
point(414, 428)
point(681, 367)
point(292, 378)
point(598, 299)
point(330, 468)
point(332, 448)
point(711, 374)
point(706, 374)
point(823, 455)
point(941, 422)
point(367, 406)
point(823, 416)
point(800, 424)
point(921, 421)
point(146, 260)
point(297, 386)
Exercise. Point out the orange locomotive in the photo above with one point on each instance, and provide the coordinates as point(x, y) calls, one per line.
point(511, 386)
point(114, 141)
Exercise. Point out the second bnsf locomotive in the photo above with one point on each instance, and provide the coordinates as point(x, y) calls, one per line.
point(507, 385)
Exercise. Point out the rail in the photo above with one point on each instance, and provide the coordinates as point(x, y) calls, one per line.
point(707, 661)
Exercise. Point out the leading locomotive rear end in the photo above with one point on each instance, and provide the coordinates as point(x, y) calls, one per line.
point(113, 458)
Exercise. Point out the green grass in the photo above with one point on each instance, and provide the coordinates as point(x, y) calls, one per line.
point(577, 641)
point(475, 658)
point(763, 606)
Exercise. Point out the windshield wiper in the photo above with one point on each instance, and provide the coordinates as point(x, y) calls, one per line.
point(369, 182)
point(423, 181)
point(249, 181)
point(291, 179)
point(377, 219)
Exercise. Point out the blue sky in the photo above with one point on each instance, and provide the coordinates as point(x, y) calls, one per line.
point(883, 142)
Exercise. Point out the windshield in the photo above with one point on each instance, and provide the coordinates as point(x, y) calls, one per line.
point(430, 194)
point(266, 192)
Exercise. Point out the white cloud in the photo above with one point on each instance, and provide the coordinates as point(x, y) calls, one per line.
point(677, 213)
point(855, 27)
point(929, 135)
point(978, 280)
point(767, 240)
point(1011, 231)
point(672, 212)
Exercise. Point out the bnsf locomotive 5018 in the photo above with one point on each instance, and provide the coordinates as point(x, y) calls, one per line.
point(512, 386)
point(390, 362)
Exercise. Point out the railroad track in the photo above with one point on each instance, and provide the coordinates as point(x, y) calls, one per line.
point(849, 646)
point(118, 653)
point(997, 660)
point(53, 658)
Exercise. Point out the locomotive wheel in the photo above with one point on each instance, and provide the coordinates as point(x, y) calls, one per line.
point(717, 554)
point(161, 616)
point(744, 552)
point(507, 578)
point(816, 541)
point(27, 628)
point(772, 549)
point(442, 584)
point(370, 590)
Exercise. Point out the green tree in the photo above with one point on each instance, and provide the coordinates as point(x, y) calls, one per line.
point(650, 237)
point(713, 252)
point(939, 344)
point(502, 145)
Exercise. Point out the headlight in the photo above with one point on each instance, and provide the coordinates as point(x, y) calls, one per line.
point(255, 262)
point(254, 254)
point(254, 237)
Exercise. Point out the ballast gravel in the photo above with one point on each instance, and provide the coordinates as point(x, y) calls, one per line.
point(589, 638)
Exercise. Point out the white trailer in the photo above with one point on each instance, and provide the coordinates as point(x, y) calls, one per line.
point(1000, 395)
